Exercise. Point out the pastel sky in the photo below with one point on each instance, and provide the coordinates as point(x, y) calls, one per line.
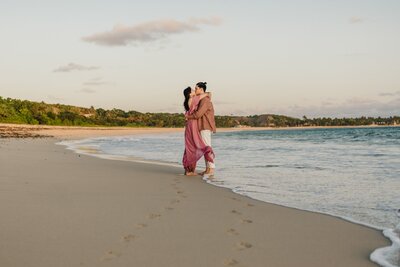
point(291, 57)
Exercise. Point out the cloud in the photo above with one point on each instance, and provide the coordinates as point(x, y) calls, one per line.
point(75, 67)
point(87, 90)
point(96, 82)
point(121, 35)
point(355, 19)
point(397, 93)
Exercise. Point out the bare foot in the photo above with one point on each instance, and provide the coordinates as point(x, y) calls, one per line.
point(209, 172)
point(209, 175)
point(191, 174)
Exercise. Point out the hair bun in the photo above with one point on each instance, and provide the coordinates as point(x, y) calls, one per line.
point(205, 82)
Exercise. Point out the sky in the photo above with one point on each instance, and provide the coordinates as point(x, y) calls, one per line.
point(290, 57)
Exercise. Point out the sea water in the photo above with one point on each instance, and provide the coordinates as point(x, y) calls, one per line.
point(353, 173)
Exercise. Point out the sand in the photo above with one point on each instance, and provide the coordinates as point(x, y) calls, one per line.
point(59, 208)
point(74, 132)
point(9, 130)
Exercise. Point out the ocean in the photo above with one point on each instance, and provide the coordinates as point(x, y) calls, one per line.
point(352, 173)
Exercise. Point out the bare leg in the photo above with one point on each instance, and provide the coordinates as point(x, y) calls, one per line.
point(206, 170)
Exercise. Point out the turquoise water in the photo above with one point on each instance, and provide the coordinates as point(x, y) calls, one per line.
point(353, 173)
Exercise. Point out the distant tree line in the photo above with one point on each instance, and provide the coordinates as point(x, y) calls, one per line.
point(29, 112)
point(285, 121)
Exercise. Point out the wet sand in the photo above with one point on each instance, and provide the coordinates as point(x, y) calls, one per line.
point(59, 208)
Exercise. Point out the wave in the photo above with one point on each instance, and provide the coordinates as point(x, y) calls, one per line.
point(389, 256)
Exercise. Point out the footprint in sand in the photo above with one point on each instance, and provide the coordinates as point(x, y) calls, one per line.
point(247, 221)
point(175, 201)
point(250, 205)
point(236, 199)
point(154, 216)
point(128, 238)
point(179, 192)
point(236, 212)
point(243, 245)
point(169, 208)
point(141, 225)
point(230, 262)
point(110, 255)
point(232, 231)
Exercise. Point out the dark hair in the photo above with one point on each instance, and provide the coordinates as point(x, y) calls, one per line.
point(186, 93)
point(202, 85)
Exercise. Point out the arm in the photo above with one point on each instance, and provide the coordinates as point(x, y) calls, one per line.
point(203, 107)
point(205, 95)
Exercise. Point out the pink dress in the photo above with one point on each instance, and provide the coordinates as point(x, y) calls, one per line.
point(195, 148)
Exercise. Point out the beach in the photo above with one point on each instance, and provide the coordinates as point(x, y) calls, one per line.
point(12, 130)
point(60, 208)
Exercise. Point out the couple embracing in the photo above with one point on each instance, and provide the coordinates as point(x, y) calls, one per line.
point(200, 124)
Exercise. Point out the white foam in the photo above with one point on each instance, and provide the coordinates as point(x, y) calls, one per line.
point(75, 146)
point(389, 256)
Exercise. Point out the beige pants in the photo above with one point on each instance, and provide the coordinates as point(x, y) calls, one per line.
point(206, 136)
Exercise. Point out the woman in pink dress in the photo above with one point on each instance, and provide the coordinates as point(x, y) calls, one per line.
point(195, 148)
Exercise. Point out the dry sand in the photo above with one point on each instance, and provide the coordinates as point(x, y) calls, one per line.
point(10, 130)
point(59, 208)
point(75, 132)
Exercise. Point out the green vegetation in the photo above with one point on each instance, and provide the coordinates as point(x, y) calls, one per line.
point(23, 111)
point(29, 112)
point(284, 121)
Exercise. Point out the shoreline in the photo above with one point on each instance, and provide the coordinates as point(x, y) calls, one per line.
point(377, 256)
point(9, 130)
point(96, 153)
point(255, 235)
